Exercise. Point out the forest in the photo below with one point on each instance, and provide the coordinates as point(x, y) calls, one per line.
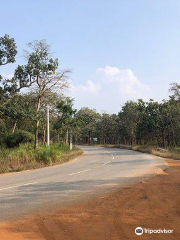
point(40, 83)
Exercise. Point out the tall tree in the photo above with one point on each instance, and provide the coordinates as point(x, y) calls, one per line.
point(107, 128)
point(87, 119)
point(129, 119)
point(66, 113)
point(41, 72)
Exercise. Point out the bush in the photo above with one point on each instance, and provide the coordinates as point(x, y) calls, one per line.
point(63, 146)
point(42, 153)
point(26, 157)
point(20, 136)
point(50, 154)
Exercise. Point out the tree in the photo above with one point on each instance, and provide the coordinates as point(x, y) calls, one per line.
point(129, 119)
point(175, 89)
point(87, 119)
point(107, 128)
point(8, 50)
point(41, 72)
point(66, 113)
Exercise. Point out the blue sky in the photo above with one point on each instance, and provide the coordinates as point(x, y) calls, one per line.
point(131, 44)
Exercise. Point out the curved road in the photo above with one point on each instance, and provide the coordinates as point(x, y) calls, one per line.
point(98, 171)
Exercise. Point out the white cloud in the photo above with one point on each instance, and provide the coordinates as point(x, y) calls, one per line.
point(89, 87)
point(109, 89)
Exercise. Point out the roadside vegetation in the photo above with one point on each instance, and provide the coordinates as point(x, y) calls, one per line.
point(23, 102)
point(149, 127)
point(145, 126)
point(171, 153)
point(26, 157)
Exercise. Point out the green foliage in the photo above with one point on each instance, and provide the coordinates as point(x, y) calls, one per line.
point(65, 113)
point(26, 157)
point(107, 128)
point(87, 120)
point(20, 136)
point(142, 123)
point(43, 154)
point(8, 50)
point(47, 154)
point(39, 72)
point(19, 107)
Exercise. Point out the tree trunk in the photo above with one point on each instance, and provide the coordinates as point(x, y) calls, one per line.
point(44, 134)
point(14, 127)
point(36, 134)
point(89, 137)
point(71, 139)
point(104, 140)
point(37, 123)
point(67, 136)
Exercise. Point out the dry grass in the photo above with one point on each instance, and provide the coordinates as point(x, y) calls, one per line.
point(71, 155)
point(25, 157)
point(173, 153)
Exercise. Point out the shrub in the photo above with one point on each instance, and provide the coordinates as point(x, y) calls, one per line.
point(63, 146)
point(42, 153)
point(20, 136)
point(50, 154)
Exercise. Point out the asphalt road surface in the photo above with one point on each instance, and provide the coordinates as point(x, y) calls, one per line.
point(98, 171)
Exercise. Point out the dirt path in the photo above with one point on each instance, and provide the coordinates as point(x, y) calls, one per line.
point(153, 204)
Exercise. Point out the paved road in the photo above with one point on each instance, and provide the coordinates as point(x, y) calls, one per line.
point(98, 171)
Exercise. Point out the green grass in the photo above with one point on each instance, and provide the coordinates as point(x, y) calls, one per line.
point(25, 157)
point(172, 153)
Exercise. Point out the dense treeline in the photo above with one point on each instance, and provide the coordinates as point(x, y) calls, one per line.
point(23, 112)
point(138, 122)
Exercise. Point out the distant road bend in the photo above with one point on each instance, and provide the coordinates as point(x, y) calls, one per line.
point(98, 171)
